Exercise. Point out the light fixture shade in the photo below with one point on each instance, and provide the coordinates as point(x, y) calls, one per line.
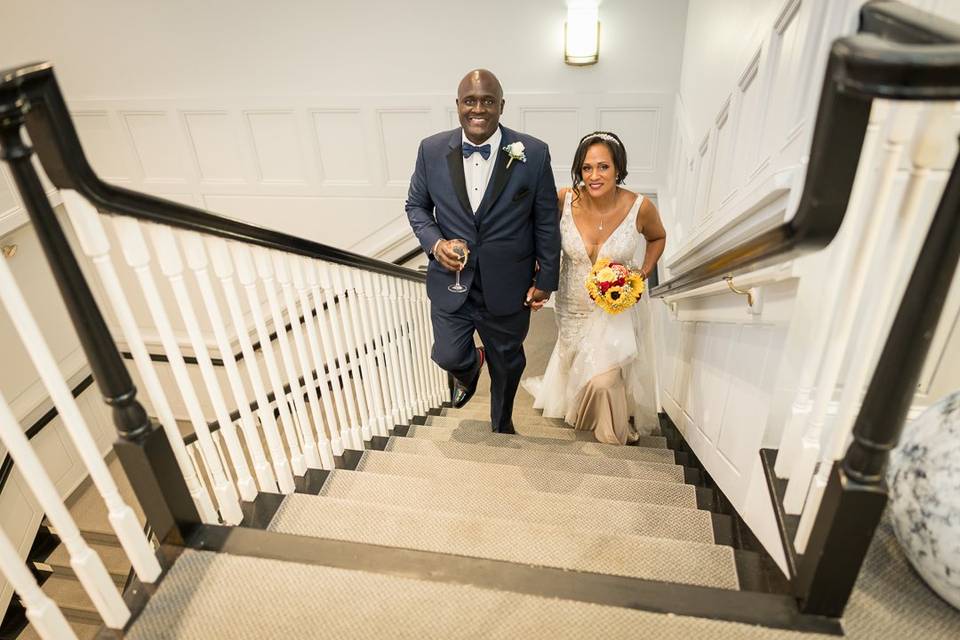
point(581, 33)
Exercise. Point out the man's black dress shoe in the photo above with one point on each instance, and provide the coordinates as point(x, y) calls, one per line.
point(509, 430)
point(462, 394)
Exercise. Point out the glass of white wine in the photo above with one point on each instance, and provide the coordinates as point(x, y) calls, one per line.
point(462, 253)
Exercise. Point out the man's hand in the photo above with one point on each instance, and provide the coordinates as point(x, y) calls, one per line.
point(445, 255)
point(536, 298)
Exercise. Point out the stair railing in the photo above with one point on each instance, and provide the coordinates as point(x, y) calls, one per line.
point(301, 350)
point(829, 495)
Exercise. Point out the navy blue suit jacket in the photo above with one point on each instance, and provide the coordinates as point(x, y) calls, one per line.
point(515, 227)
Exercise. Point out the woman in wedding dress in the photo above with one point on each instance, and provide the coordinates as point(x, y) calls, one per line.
point(601, 372)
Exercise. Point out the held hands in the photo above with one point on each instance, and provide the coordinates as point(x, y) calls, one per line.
point(445, 255)
point(536, 298)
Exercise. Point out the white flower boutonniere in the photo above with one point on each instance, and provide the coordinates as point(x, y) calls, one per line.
point(515, 151)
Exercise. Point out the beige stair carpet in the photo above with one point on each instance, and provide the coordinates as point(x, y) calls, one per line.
point(508, 540)
point(221, 596)
point(539, 459)
point(651, 451)
point(506, 477)
point(571, 512)
point(113, 556)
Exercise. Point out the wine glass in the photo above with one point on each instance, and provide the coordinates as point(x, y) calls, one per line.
point(462, 253)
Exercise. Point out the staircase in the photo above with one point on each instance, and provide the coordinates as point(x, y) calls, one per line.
point(548, 501)
point(50, 559)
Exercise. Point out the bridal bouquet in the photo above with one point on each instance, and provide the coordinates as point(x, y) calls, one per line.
point(614, 287)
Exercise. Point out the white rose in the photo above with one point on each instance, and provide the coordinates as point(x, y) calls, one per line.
point(516, 149)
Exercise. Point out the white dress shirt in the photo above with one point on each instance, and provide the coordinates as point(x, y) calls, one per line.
point(477, 171)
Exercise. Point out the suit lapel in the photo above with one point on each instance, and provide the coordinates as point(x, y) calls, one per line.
point(500, 175)
point(455, 165)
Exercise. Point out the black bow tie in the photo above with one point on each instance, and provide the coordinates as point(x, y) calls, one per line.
point(469, 150)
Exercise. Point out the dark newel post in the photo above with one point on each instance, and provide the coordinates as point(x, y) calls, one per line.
point(142, 447)
point(857, 494)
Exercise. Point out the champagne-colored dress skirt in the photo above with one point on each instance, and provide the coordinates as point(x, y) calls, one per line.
point(603, 409)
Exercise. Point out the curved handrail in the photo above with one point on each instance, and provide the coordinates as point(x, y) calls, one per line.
point(901, 53)
point(58, 147)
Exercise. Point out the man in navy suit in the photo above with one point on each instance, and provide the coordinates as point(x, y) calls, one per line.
point(492, 188)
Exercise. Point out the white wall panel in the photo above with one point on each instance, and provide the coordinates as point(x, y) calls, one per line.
point(215, 142)
point(640, 131)
point(9, 200)
point(104, 145)
point(401, 130)
point(340, 138)
point(156, 145)
point(277, 146)
point(559, 124)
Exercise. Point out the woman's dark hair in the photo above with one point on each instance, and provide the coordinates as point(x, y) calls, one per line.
point(617, 151)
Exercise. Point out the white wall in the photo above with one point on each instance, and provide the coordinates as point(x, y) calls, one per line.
point(305, 116)
point(750, 82)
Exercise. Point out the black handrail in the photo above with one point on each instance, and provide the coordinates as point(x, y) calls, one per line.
point(57, 145)
point(900, 53)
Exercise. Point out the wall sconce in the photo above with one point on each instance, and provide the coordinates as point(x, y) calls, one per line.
point(581, 33)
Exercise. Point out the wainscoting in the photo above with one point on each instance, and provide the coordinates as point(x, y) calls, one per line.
point(331, 169)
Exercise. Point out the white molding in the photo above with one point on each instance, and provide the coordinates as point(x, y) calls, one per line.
point(762, 209)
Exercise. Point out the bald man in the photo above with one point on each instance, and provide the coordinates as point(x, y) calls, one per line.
point(489, 190)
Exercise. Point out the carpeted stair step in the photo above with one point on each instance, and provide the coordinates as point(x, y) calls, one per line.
point(527, 440)
point(83, 630)
point(529, 420)
point(536, 460)
point(508, 540)
point(513, 478)
point(73, 601)
point(570, 512)
point(113, 557)
point(565, 434)
point(218, 595)
point(481, 407)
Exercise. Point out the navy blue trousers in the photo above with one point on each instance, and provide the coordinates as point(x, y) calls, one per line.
point(502, 338)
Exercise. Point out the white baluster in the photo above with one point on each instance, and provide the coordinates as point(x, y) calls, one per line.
point(373, 337)
point(265, 271)
point(138, 257)
point(121, 516)
point(85, 563)
point(246, 273)
point(196, 255)
point(42, 612)
point(876, 315)
point(223, 267)
point(410, 345)
point(387, 363)
point(322, 444)
point(407, 342)
point(420, 365)
point(326, 381)
point(390, 307)
point(329, 355)
point(93, 239)
point(351, 324)
point(358, 352)
point(439, 376)
point(852, 270)
point(434, 396)
point(168, 257)
point(856, 218)
point(335, 313)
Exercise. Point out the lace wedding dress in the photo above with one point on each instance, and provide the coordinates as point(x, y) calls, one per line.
point(601, 370)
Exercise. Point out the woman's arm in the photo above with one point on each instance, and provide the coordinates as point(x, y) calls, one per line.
point(651, 226)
